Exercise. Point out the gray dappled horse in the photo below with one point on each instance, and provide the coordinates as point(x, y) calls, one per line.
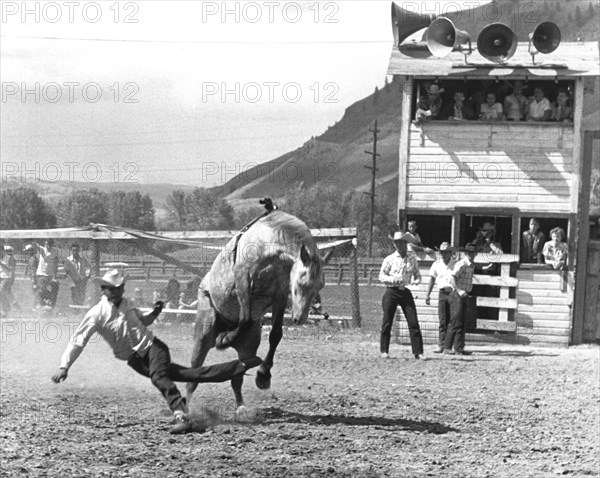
point(260, 267)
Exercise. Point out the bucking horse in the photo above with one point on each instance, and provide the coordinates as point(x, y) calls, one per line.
point(271, 259)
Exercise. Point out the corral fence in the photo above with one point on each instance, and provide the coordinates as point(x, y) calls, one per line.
point(169, 265)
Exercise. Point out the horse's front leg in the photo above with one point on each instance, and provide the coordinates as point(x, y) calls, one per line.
point(263, 374)
point(246, 347)
point(205, 335)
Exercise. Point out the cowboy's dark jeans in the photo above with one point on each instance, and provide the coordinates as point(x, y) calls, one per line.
point(455, 336)
point(444, 315)
point(156, 365)
point(392, 298)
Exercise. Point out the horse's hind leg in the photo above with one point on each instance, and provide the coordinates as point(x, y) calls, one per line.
point(205, 336)
point(242, 287)
point(246, 346)
point(263, 374)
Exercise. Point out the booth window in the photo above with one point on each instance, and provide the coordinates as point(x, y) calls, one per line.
point(490, 100)
point(471, 226)
point(531, 248)
point(433, 229)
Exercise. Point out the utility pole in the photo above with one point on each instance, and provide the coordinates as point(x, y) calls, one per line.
point(372, 193)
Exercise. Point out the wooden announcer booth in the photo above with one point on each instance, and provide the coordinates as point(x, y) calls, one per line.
point(454, 175)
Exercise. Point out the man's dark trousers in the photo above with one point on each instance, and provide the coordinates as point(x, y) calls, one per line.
point(455, 336)
point(392, 298)
point(156, 365)
point(444, 315)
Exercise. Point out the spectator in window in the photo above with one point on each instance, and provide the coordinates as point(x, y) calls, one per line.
point(413, 239)
point(399, 270)
point(538, 108)
point(441, 273)
point(430, 105)
point(491, 110)
point(561, 108)
point(46, 274)
point(555, 251)
point(515, 103)
point(78, 269)
point(459, 110)
point(484, 242)
point(533, 242)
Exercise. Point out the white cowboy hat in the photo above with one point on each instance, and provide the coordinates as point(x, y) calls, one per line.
point(112, 278)
point(445, 246)
point(435, 90)
point(400, 236)
point(9, 248)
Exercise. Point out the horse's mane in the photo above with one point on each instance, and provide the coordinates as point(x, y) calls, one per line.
point(289, 230)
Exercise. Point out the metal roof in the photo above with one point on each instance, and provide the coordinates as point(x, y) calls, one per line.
point(569, 60)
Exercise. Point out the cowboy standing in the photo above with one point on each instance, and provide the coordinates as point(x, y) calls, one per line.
point(78, 269)
point(30, 271)
point(8, 265)
point(397, 271)
point(123, 326)
point(462, 282)
point(441, 272)
point(46, 274)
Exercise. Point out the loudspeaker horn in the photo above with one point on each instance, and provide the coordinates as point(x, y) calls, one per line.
point(443, 37)
point(405, 23)
point(545, 38)
point(497, 42)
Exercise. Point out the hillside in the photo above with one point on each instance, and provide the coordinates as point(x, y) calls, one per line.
point(338, 155)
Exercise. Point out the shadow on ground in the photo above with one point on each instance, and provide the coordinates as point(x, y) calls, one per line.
point(514, 353)
point(397, 424)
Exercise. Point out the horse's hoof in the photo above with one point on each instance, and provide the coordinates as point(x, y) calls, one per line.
point(263, 380)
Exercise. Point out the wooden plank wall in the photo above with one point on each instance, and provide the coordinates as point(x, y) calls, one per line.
point(542, 317)
point(491, 164)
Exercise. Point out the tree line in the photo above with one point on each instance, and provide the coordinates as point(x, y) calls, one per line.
point(199, 209)
point(24, 208)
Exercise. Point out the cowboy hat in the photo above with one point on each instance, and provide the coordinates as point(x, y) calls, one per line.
point(400, 236)
point(435, 90)
point(112, 278)
point(28, 247)
point(9, 248)
point(445, 246)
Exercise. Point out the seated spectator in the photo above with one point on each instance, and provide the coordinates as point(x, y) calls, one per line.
point(484, 242)
point(459, 110)
point(555, 251)
point(561, 108)
point(515, 103)
point(414, 243)
point(491, 110)
point(533, 242)
point(538, 107)
point(429, 107)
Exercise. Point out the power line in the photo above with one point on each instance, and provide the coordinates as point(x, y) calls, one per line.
point(144, 143)
point(200, 42)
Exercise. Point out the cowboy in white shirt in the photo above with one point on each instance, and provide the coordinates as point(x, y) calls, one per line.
point(441, 272)
point(124, 328)
point(397, 271)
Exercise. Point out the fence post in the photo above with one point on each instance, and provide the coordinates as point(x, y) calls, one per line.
point(95, 294)
point(354, 297)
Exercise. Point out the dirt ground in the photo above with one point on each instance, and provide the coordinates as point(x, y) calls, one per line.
point(335, 409)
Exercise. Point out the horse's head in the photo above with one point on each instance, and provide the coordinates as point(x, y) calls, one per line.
point(306, 280)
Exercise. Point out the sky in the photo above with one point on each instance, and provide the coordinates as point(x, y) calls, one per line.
point(188, 93)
